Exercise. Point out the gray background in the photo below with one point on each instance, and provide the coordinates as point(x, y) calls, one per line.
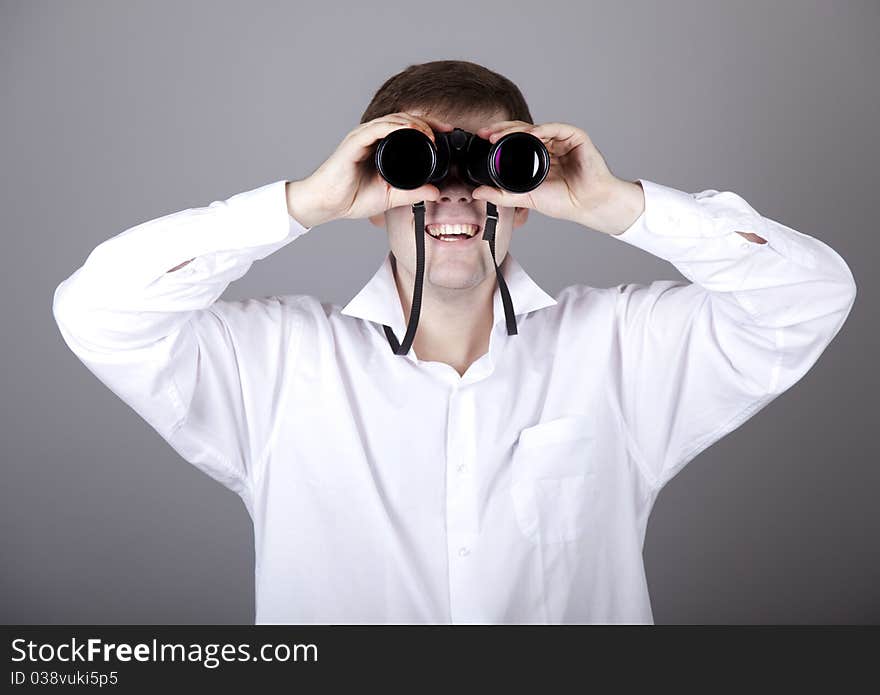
point(114, 113)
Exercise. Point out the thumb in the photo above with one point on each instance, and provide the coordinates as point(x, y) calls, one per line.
point(402, 197)
point(499, 197)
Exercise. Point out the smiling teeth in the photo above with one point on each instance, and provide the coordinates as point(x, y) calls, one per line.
point(440, 230)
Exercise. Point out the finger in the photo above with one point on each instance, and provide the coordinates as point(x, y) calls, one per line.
point(417, 123)
point(567, 135)
point(363, 139)
point(401, 118)
point(496, 135)
point(431, 122)
point(373, 126)
point(499, 125)
point(427, 124)
point(390, 118)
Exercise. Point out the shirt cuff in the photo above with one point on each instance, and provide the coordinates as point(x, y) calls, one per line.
point(261, 217)
point(247, 226)
point(681, 227)
point(671, 222)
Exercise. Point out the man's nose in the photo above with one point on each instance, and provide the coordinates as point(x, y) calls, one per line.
point(453, 189)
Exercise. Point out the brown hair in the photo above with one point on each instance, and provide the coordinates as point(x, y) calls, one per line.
point(445, 87)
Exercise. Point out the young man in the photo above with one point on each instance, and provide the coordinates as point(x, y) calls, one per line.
point(482, 477)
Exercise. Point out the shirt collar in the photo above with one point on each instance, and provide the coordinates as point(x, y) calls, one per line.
point(379, 301)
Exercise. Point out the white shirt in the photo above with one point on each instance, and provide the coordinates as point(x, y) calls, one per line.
point(387, 489)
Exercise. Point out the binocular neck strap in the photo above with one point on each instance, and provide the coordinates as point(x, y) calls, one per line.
point(489, 235)
point(419, 226)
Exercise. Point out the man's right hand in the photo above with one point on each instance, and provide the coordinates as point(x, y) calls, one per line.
point(348, 184)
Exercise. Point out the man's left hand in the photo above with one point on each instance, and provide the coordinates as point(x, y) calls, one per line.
point(579, 186)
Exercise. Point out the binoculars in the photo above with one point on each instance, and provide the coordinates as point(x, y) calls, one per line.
point(406, 158)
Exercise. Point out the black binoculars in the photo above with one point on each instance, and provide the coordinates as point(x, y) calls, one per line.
point(406, 158)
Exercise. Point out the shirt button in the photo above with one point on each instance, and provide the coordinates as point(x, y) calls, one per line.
point(462, 468)
point(463, 551)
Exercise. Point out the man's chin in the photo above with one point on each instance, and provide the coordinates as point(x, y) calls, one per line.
point(458, 278)
point(455, 273)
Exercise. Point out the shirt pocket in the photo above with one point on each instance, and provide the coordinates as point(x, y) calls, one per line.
point(553, 479)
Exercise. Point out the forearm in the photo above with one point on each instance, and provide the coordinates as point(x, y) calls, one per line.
point(303, 205)
point(124, 295)
point(624, 204)
point(617, 209)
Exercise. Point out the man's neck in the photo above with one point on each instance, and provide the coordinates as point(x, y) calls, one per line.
point(454, 325)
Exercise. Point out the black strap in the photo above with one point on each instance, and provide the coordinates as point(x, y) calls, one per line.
point(412, 324)
point(415, 310)
point(489, 235)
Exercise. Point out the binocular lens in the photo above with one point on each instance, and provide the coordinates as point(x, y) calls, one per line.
point(520, 162)
point(405, 158)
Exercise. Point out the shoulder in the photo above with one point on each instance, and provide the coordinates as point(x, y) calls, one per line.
point(579, 300)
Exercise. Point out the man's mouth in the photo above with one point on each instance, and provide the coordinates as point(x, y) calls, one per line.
point(452, 232)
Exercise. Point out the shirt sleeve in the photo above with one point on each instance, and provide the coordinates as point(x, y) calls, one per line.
point(201, 371)
point(700, 358)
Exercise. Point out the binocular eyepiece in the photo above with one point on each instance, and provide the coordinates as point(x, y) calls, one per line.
point(406, 158)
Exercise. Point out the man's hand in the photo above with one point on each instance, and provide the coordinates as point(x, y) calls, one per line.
point(348, 185)
point(579, 186)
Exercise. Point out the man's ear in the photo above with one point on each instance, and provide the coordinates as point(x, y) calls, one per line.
point(378, 220)
point(520, 215)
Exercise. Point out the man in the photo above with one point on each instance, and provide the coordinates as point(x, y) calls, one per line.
point(481, 477)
